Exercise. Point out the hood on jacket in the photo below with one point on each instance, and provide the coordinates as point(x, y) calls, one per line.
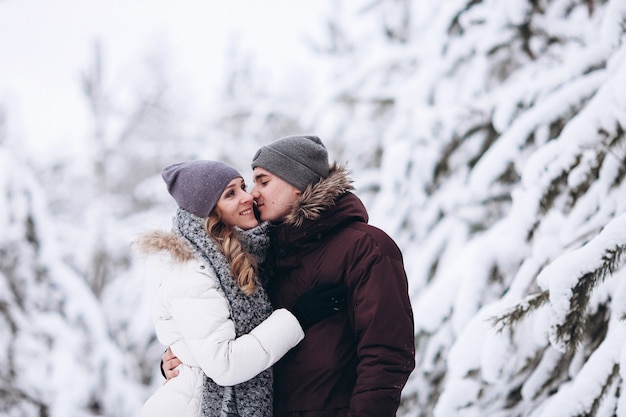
point(318, 197)
point(160, 241)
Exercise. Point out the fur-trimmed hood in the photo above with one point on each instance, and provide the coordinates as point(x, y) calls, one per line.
point(317, 198)
point(322, 209)
point(157, 241)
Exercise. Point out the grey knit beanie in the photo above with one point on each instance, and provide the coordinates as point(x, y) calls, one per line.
point(197, 185)
point(299, 160)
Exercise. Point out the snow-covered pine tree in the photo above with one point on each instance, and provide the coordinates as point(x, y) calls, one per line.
point(488, 138)
point(57, 356)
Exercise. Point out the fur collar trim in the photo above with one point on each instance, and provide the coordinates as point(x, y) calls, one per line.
point(160, 241)
point(318, 197)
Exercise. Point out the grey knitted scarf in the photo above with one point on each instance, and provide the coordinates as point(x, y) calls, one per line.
point(252, 398)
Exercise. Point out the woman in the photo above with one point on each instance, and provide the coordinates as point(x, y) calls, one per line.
point(209, 306)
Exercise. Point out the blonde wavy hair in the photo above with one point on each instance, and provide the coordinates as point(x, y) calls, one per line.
point(242, 265)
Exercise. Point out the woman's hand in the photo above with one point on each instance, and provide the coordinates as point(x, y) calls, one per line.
point(168, 364)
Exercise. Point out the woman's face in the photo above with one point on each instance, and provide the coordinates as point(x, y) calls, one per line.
point(235, 206)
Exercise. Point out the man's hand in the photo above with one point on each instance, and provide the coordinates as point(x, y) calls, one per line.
point(168, 364)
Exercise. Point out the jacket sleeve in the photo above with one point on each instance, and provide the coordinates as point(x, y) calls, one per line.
point(200, 312)
point(383, 325)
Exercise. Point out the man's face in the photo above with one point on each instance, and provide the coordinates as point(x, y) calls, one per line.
point(273, 195)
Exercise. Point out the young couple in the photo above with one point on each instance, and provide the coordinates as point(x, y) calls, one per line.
point(326, 272)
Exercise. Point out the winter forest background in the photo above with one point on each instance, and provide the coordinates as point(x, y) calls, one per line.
point(487, 137)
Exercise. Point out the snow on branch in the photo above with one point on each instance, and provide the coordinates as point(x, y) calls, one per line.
point(571, 278)
point(520, 311)
point(592, 386)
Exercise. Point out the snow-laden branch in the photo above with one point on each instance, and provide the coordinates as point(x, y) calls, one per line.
point(572, 276)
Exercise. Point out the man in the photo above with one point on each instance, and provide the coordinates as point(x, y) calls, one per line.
point(353, 364)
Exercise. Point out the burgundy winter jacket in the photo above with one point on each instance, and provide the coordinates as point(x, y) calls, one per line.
point(355, 363)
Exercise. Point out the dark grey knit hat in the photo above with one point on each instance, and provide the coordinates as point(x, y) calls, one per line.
point(299, 160)
point(197, 185)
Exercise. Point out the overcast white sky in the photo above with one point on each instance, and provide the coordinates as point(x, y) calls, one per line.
point(46, 44)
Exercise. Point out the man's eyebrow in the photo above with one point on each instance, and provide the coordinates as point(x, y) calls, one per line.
point(259, 176)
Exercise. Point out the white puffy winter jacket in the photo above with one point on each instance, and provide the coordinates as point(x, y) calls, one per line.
point(191, 316)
